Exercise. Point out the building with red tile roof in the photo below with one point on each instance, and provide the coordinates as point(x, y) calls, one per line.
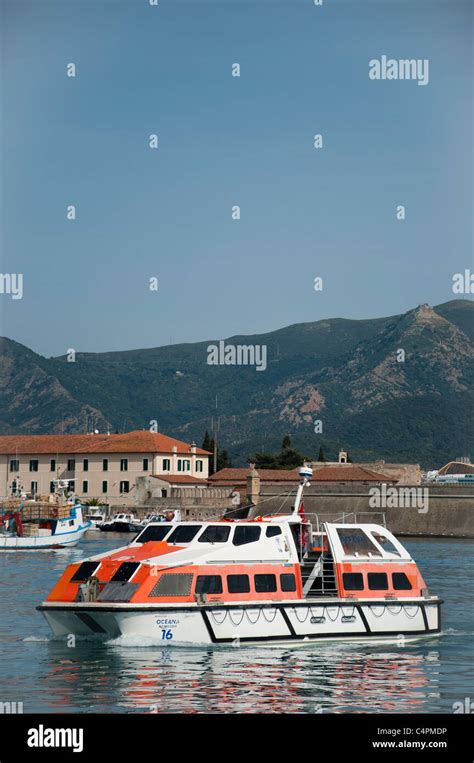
point(96, 465)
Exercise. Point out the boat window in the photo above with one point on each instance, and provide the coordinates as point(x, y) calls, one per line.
point(238, 583)
point(353, 581)
point(173, 584)
point(400, 582)
point(215, 534)
point(265, 583)
point(184, 533)
point(124, 572)
point(245, 534)
point(287, 582)
point(208, 584)
point(355, 541)
point(386, 543)
point(377, 581)
point(272, 531)
point(86, 570)
point(153, 532)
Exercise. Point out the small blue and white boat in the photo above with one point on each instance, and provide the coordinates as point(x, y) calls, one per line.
point(38, 526)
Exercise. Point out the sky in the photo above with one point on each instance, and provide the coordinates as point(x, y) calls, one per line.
point(166, 213)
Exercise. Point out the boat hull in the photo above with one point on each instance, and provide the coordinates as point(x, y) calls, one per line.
point(253, 623)
point(119, 527)
point(27, 543)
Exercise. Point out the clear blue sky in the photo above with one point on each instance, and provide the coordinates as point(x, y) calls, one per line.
point(226, 141)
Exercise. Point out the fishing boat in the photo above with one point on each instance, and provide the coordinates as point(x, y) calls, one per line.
point(41, 525)
point(267, 579)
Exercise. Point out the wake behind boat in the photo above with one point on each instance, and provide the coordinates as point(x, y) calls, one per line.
point(270, 579)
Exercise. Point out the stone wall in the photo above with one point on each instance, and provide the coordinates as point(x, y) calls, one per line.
point(450, 508)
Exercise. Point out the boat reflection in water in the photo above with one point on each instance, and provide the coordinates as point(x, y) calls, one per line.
point(247, 679)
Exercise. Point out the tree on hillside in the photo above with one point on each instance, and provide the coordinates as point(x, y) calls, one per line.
point(223, 460)
point(321, 456)
point(287, 458)
point(206, 443)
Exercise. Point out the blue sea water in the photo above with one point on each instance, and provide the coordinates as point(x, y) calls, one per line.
point(424, 676)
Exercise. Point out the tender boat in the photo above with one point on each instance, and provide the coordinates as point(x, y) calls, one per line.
point(269, 579)
point(35, 525)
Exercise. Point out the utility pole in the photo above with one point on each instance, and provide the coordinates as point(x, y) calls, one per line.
point(215, 431)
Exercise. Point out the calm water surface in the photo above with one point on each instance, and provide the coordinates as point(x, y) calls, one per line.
point(423, 676)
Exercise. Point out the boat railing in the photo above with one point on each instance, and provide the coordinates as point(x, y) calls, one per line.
point(352, 517)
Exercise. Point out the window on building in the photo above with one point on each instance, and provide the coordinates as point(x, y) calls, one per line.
point(215, 534)
point(199, 466)
point(124, 464)
point(238, 583)
point(353, 581)
point(85, 487)
point(245, 534)
point(288, 582)
point(184, 533)
point(105, 486)
point(70, 486)
point(377, 581)
point(208, 584)
point(34, 487)
point(272, 531)
point(124, 486)
point(85, 465)
point(166, 464)
point(105, 464)
point(356, 542)
point(51, 487)
point(71, 464)
point(401, 582)
point(265, 583)
point(184, 465)
point(14, 465)
point(52, 465)
point(145, 464)
point(33, 465)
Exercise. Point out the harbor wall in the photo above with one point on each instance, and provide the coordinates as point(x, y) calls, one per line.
point(450, 508)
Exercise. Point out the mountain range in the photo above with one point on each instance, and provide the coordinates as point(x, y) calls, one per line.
point(398, 388)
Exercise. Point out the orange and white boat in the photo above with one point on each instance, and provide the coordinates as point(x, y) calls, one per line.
point(270, 579)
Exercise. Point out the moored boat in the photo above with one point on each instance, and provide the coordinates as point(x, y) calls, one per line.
point(95, 516)
point(121, 523)
point(35, 525)
point(269, 579)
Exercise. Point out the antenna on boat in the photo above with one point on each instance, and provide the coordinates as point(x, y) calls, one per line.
point(305, 473)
